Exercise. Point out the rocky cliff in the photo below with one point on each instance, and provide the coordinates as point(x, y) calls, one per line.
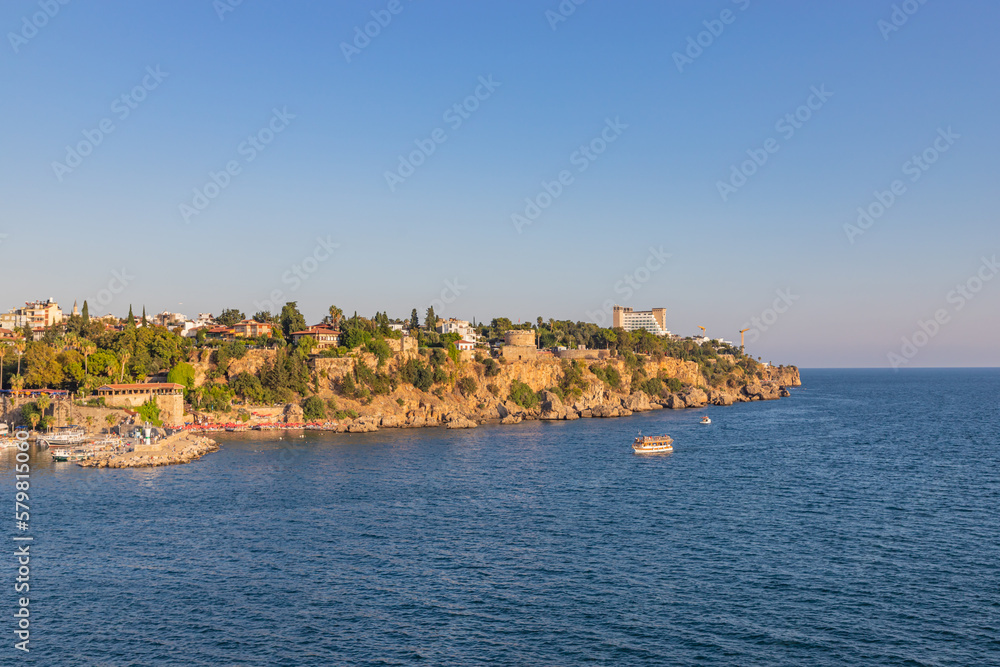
point(591, 396)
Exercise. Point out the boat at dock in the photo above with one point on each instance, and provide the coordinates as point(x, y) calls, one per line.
point(90, 449)
point(651, 444)
point(62, 437)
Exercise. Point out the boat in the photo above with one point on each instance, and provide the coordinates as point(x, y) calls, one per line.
point(706, 420)
point(63, 436)
point(649, 444)
point(7, 443)
point(71, 454)
point(80, 452)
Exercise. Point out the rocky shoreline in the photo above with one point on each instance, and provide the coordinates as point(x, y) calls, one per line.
point(597, 401)
point(408, 407)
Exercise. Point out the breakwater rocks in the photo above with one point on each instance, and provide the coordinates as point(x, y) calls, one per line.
point(177, 448)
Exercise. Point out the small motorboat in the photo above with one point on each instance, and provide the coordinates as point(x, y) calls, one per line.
point(706, 420)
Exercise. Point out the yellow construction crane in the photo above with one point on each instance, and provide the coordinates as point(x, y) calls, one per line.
point(742, 331)
point(702, 330)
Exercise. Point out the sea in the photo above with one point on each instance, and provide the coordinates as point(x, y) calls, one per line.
point(856, 522)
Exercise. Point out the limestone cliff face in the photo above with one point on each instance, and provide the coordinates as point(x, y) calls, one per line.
point(410, 407)
point(446, 404)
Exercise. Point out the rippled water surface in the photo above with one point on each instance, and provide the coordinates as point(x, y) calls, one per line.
point(855, 522)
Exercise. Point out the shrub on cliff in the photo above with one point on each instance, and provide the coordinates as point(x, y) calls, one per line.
point(522, 394)
point(182, 373)
point(491, 368)
point(313, 408)
point(248, 387)
point(609, 375)
point(467, 386)
point(416, 373)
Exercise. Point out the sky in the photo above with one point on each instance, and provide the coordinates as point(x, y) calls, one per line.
point(517, 159)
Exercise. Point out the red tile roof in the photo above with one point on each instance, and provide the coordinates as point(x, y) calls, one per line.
point(143, 385)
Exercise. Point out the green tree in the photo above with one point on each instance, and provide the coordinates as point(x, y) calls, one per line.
point(313, 408)
point(522, 394)
point(305, 345)
point(249, 387)
point(150, 412)
point(130, 322)
point(430, 320)
point(144, 323)
point(291, 320)
point(85, 313)
point(230, 317)
point(182, 374)
point(380, 349)
point(42, 368)
point(414, 319)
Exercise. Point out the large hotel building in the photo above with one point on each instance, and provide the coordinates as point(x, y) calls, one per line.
point(654, 321)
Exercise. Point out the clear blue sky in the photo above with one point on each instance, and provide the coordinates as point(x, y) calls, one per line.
point(655, 186)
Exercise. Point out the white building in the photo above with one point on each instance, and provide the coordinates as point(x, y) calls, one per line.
point(34, 314)
point(461, 327)
point(654, 321)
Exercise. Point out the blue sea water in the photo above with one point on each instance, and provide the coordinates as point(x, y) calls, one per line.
point(855, 522)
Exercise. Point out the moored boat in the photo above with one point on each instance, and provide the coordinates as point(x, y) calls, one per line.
point(63, 436)
point(650, 444)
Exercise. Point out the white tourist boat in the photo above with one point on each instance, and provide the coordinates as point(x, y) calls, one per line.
point(63, 436)
point(82, 452)
point(706, 420)
point(651, 444)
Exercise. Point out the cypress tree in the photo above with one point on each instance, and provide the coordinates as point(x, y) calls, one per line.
point(131, 318)
point(85, 313)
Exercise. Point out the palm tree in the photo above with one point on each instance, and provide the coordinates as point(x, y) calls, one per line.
point(17, 383)
point(86, 349)
point(90, 422)
point(43, 404)
point(34, 420)
point(4, 349)
point(19, 345)
point(111, 419)
point(336, 314)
